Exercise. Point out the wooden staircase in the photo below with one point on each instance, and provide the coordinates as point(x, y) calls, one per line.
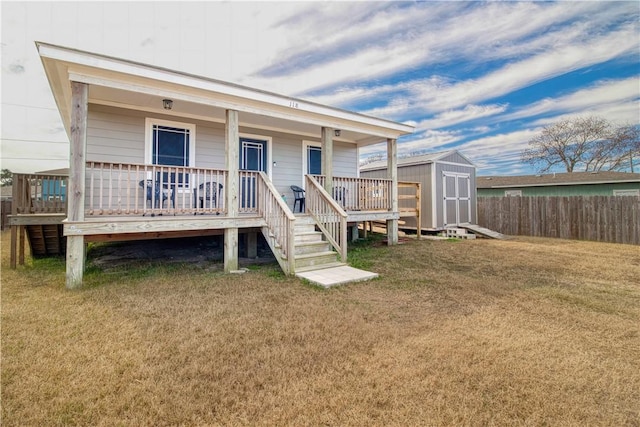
point(46, 239)
point(311, 253)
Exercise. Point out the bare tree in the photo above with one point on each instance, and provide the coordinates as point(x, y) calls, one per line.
point(626, 141)
point(583, 143)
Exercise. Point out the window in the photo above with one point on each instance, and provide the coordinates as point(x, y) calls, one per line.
point(513, 193)
point(253, 154)
point(169, 143)
point(630, 192)
point(311, 158)
point(314, 160)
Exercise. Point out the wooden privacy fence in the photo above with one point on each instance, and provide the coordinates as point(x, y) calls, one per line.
point(613, 219)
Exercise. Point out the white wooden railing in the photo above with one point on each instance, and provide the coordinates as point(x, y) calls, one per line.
point(330, 218)
point(137, 189)
point(360, 194)
point(39, 194)
point(280, 220)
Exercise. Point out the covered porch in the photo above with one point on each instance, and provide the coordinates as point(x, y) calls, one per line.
point(250, 148)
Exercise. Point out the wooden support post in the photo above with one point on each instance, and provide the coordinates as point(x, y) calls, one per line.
point(252, 245)
point(16, 200)
point(232, 164)
point(230, 249)
point(392, 174)
point(418, 211)
point(14, 246)
point(21, 237)
point(354, 232)
point(76, 185)
point(327, 159)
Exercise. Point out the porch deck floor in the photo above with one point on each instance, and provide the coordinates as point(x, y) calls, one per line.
point(334, 276)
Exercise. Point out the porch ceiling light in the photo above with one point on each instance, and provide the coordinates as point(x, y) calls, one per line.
point(167, 104)
point(336, 132)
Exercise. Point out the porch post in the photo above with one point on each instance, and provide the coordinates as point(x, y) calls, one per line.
point(392, 174)
point(232, 164)
point(327, 158)
point(76, 185)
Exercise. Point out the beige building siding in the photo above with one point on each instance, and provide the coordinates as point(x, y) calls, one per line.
point(430, 175)
point(114, 137)
point(345, 160)
point(415, 173)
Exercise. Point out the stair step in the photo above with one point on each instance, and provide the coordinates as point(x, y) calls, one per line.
point(319, 267)
point(305, 219)
point(311, 247)
point(310, 236)
point(315, 259)
point(304, 228)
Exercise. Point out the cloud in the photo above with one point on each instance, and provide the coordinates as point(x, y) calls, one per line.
point(600, 94)
point(468, 113)
point(541, 41)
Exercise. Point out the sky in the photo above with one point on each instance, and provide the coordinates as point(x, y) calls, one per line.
point(480, 77)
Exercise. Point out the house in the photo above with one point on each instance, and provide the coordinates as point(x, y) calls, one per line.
point(157, 153)
point(561, 184)
point(448, 181)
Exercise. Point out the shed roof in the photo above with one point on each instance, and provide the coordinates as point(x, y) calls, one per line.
point(128, 84)
point(415, 160)
point(572, 178)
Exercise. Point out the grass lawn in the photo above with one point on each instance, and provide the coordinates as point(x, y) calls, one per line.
point(521, 332)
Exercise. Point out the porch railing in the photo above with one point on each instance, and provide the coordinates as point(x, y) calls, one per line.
point(39, 194)
point(248, 196)
point(137, 189)
point(360, 194)
point(280, 220)
point(330, 218)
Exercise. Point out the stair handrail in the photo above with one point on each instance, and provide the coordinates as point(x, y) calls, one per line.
point(279, 218)
point(330, 218)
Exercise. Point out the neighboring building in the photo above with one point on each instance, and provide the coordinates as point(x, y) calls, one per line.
point(159, 153)
point(52, 188)
point(448, 182)
point(561, 184)
point(6, 192)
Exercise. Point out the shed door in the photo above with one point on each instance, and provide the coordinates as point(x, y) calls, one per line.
point(456, 188)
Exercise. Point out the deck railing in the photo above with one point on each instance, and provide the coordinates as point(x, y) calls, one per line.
point(280, 220)
point(248, 196)
point(137, 189)
point(39, 194)
point(360, 194)
point(330, 218)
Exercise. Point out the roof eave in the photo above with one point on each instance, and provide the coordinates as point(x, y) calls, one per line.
point(96, 66)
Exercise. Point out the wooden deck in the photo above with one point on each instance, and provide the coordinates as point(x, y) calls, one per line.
point(123, 203)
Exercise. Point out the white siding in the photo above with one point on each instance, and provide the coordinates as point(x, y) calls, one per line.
point(113, 137)
point(117, 135)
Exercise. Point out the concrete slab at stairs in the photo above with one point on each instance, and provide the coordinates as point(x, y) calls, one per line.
point(333, 276)
point(317, 262)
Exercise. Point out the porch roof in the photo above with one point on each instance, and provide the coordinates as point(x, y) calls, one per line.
point(132, 85)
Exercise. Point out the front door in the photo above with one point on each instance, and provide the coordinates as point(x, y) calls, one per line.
point(253, 157)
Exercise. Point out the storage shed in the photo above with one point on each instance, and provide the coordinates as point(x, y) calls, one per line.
point(448, 181)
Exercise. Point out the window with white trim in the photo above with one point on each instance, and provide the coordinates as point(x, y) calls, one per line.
point(169, 143)
point(512, 193)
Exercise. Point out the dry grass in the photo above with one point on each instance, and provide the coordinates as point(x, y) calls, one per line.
point(522, 332)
